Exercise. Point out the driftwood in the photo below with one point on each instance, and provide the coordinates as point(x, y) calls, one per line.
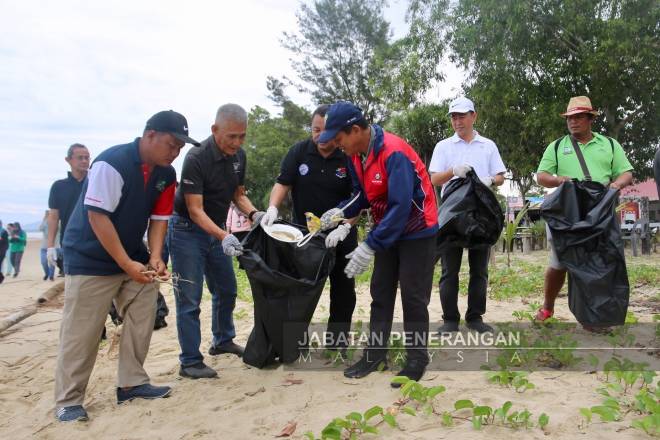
point(30, 310)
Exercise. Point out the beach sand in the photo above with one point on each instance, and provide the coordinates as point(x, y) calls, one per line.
point(246, 403)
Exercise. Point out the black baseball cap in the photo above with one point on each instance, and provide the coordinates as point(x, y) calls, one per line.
point(169, 121)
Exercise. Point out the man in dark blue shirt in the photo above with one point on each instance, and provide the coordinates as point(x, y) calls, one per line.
point(129, 187)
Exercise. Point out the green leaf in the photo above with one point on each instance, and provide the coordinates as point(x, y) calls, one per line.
point(356, 416)
point(476, 422)
point(310, 435)
point(373, 411)
point(434, 391)
point(331, 432)
point(482, 411)
point(409, 410)
point(400, 379)
point(389, 419)
point(370, 430)
point(405, 389)
point(586, 413)
point(605, 413)
point(543, 420)
point(447, 419)
point(461, 404)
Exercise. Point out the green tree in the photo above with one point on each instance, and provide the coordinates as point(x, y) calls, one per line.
point(343, 51)
point(526, 58)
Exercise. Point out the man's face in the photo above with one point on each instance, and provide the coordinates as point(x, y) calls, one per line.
point(163, 148)
point(580, 124)
point(463, 123)
point(79, 160)
point(318, 124)
point(349, 142)
point(229, 136)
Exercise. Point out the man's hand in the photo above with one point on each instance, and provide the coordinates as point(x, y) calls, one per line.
point(562, 179)
point(134, 270)
point(615, 186)
point(271, 215)
point(331, 218)
point(51, 256)
point(488, 181)
point(461, 170)
point(337, 235)
point(160, 267)
point(231, 246)
point(359, 260)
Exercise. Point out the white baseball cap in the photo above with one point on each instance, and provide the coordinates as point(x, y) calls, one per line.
point(461, 105)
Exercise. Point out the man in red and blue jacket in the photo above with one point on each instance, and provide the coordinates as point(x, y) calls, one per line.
point(393, 182)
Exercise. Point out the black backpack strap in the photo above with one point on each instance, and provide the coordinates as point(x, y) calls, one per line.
point(583, 163)
point(611, 145)
point(557, 142)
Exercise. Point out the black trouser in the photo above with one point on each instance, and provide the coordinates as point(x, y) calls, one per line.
point(15, 258)
point(451, 265)
point(409, 263)
point(3, 252)
point(342, 294)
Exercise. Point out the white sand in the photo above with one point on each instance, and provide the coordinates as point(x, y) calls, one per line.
point(222, 409)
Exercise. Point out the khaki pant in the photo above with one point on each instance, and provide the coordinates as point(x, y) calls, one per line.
point(87, 300)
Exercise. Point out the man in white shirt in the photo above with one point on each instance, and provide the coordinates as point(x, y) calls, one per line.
point(453, 158)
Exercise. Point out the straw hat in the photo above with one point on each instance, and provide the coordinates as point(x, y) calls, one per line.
point(579, 104)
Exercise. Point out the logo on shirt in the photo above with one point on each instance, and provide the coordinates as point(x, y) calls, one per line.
point(160, 185)
point(340, 172)
point(188, 182)
point(377, 179)
point(237, 165)
point(568, 149)
point(303, 169)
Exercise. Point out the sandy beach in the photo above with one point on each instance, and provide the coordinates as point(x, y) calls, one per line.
point(250, 403)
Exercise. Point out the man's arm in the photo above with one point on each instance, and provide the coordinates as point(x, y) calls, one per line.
point(107, 234)
point(440, 178)
point(277, 194)
point(242, 201)
point(155, 238)
point(53, 223)
point(623, 180)
point(195, 205)
point(547, 180)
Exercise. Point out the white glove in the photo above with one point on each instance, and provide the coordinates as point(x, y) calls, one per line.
point(461, 170)
point(271, 215)
point(488, 181)
point(51, 256)
point(337, 235)
point(359, 260)
point(331, 218)
point(231, 246)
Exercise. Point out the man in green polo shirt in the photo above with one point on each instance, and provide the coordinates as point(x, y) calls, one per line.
point(607, 163)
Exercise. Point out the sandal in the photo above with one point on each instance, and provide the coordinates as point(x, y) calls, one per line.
point(543, 314)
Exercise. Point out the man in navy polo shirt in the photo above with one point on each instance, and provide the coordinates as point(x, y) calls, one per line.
point(64, 194)
point(317, 176)
point(130, 187)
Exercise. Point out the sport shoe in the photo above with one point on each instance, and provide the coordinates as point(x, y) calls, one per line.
point(480, 327)
point(146, 391)
point(448, 327)
point(75, 413)
point(226, 348)
point(543, 314)
point(198, 371)
point(365, 366)
point(413, 370)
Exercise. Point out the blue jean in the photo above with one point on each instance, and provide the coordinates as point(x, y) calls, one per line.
point(197, 256)
point(48, 271)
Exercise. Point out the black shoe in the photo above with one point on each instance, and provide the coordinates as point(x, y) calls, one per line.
point(480, 327)
point(45, 277)
point(365, 366)
point(413, 370)
point(198, 371)
point(15, 274)
point(448, 327)
point(227, 347)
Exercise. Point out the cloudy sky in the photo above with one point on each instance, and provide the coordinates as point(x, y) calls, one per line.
point(93, 72)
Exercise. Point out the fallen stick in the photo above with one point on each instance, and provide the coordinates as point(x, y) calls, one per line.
point(30, 310)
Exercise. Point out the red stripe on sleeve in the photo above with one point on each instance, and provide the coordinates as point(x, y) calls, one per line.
point(165, 203)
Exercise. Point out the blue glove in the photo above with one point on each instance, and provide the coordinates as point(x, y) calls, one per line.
point(360, 259)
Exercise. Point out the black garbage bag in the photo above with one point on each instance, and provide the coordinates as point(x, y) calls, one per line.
point(587, 239)
point(286, 282)
point(469, 215)
point(161, 312)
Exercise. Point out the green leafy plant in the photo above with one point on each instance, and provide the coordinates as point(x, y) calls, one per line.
point(421, 396)
point(510, 232)
point(354, 425)
point(515, 379)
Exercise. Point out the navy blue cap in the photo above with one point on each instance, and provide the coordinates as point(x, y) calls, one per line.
point(169, 121)
point(340, 114)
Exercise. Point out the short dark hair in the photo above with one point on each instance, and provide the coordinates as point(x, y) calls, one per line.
point(321, 110)
point(362, 123)
point(69, 152)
